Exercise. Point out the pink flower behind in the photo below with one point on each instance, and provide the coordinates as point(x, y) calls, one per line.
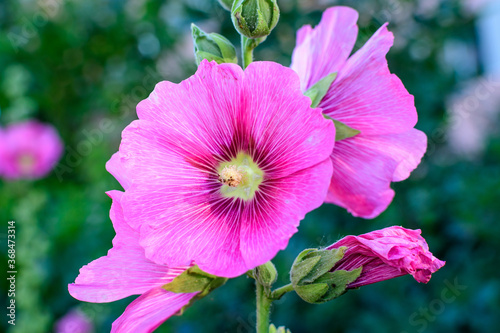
point(220, 168)
point(28, 150)
point(74, 322)
point(386, 254)
point(366, 97)
point(126, 271)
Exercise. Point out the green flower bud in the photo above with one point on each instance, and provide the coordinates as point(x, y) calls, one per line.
point(281, 329)
point(226, 4)
point(265, 274)
point(312, 278)
point(212, 46)
point(255, 18)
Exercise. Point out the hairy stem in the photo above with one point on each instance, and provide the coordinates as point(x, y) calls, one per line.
point(263, 309)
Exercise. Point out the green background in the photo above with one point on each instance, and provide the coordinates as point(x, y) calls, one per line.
point(84, 65)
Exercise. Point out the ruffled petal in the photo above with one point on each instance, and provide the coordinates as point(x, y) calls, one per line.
point(387, 253)
point(324, 49)
point(150, 310)
point(366, 96)
point(117, 169)
point(287, 134)
point(364, 167)
point(124, 271)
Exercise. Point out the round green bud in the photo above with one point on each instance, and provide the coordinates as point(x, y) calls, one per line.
point(255, 18)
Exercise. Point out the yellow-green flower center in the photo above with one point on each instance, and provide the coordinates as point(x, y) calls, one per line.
point(240, 177)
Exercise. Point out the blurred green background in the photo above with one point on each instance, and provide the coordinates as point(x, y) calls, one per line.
point(84, 65)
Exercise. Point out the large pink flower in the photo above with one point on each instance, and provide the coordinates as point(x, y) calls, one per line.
point(221, 168)
point(386, 254)
point(126, 271)
point(366, 97)
point(28, 150)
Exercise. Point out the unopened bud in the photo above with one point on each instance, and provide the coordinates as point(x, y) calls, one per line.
point(255, 18)
point(212, 46)
point(266, 274)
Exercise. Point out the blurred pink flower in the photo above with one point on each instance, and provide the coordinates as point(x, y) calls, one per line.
point(221, 168)
point(386, 254)
point(126, 271)
point(74, 321)
point(28, 150)
point(366, 97)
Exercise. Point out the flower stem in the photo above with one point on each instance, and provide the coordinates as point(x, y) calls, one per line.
point(278, 293)
point(263, 309)
point(246, 51)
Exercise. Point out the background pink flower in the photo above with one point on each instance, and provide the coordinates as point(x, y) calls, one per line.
point(28, 150)
point(172, 163)
point(368, 98)
point(74, 321)
point(386, 254)
point(126, 271)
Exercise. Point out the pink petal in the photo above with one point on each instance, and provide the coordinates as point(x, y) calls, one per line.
point(268, 224)
point(124, 271)
point(173, 151)
point(364, 166)
point(366, 96)
point(288, 135)
point(150, 310)
point(324, 49)
point(117, 169)
point(386, 254)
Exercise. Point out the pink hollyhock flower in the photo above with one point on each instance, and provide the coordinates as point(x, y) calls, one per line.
point(28, 150)
point(386, 254)
point(221, 168)
point(74, 322)
point(126, 271)
point(368, 98)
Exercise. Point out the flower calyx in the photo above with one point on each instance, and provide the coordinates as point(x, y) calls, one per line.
point(313, 279)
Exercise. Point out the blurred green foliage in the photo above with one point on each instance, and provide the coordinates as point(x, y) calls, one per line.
point(84, 65)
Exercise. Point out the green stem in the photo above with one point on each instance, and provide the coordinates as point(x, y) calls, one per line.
point(246, 51)
point(278, 293)
point(263, 309)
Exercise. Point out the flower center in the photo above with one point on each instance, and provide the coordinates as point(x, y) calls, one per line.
point(26, 163)
point(240, 177)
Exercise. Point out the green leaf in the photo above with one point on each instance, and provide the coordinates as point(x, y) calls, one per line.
point(319, 89)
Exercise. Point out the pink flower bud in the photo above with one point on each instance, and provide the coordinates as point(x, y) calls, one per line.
point(386, 254)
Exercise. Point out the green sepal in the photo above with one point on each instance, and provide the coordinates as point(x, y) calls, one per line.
point(337, 282)
point(281, 329)
point(319, 89)
point(193, 280)
point(226, 4)
point(255, 18)
point(212, 46)
point(312, 278)
point(265, 274)
point(342, 131)
point(311, 293)
point(311, 264)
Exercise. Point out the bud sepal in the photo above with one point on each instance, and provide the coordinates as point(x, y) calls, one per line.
point(212, 46)
point(312, 278)
point(255, 18)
